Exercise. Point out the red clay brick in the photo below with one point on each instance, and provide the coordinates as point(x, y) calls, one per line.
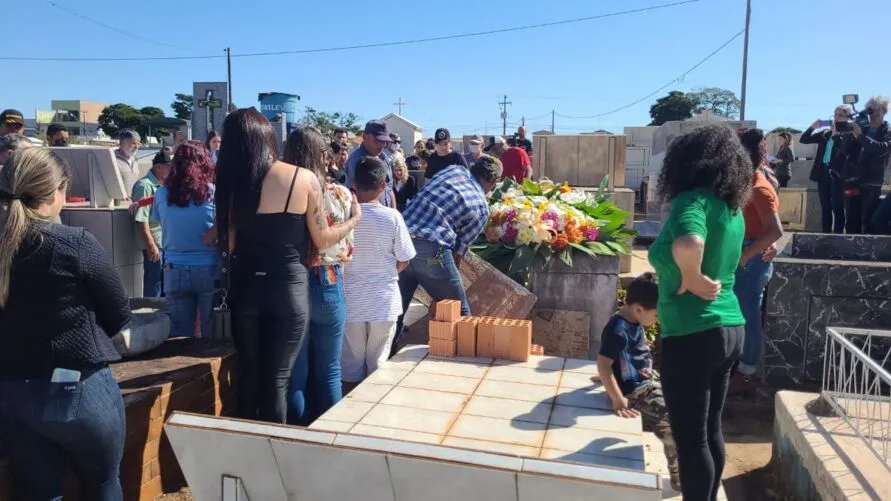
point(485, 337)
point(448, 311)
point(501, 344)
point(443, 330)
point(466, 329)
point(521, 340)
point(442, 348)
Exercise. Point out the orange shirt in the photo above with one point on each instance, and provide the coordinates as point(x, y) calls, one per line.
point(765, 200)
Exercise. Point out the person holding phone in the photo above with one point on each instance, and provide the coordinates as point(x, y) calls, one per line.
point(829, 165)
point(61, 301)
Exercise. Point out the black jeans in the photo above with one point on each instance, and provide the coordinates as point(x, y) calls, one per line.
point(860, 210)
point(695, 375)
point(830, 189)
point(783, 180)
point(881, 218)
point(45, 426)
point(271, 315)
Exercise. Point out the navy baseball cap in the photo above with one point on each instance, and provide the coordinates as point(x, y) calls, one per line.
point(378, 130)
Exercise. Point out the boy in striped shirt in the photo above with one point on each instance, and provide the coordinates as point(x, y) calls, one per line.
point(383, 248)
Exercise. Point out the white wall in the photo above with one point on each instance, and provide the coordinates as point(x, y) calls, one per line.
point(407, 133)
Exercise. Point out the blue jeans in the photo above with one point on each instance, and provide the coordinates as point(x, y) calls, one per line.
point(189, 291)
point(315, 379)
point(434, 269)
point(46, 426)
point(751, 280)
point(151, 277)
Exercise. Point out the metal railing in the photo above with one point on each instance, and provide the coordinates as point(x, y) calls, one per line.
point(857, 385)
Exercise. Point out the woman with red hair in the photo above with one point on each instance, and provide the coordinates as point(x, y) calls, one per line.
point(185, 208)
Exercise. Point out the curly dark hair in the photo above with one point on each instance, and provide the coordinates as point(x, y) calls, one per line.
point(191, 173)
point(711, 158)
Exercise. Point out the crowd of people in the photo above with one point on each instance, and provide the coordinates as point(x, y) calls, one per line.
point(318, 253)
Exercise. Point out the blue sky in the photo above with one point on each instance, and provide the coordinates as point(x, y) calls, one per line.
point(803, 56)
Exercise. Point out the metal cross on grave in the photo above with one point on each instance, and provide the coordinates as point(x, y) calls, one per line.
point(210, 103)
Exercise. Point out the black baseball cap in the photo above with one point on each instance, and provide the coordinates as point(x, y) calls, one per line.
point(378, 130)
point(163, 157)
point(413, 163)
point(12, 117)
point(442, 135)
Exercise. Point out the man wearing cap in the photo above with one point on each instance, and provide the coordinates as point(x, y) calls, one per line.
point(517, 164)
point(148, 231)
point(476, 150)
point(125, 155)
point(375, 143)
point(395, 144)
point(12, 122)
point(444, 219)
point(442, 156)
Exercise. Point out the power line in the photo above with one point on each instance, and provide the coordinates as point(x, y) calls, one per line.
point(112, 28)
point(660, 89)
point(366, 46)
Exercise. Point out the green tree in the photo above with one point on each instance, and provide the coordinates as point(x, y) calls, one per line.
point(721, 102)
point(182, 106)
point(675, 106)
point(119, 116)
point(327, 122)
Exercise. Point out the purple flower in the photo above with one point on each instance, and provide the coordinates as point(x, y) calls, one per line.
point(510, 234)
point(592, 234)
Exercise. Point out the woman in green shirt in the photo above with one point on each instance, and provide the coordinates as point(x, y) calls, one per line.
point(707, 177)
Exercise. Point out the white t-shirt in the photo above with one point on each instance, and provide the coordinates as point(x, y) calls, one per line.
point(370, 280)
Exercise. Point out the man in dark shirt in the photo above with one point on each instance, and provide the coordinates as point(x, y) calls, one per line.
point(443, 155)
point(521, 141)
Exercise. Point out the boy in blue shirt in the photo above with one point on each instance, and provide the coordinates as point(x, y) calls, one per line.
point(626, 369)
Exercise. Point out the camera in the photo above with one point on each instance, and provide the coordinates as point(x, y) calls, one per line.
point(861, 118)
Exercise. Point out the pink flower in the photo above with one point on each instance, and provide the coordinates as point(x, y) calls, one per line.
point(591, 234)
point(510, 215)
point(550, 216)
point(510, 234)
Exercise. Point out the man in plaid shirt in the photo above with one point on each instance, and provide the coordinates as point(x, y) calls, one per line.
point(444, 219)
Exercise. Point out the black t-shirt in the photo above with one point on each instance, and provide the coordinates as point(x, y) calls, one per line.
point(526, 144)
point(437, 163)
point(625, 343)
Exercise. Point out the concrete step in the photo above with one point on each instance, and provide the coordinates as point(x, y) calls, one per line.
point(655, 461)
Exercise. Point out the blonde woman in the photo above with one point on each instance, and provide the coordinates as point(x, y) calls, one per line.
point(60, 303)
point(404, 185)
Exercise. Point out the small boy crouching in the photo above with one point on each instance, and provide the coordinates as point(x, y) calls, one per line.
point(626, 368)
point(383, 248)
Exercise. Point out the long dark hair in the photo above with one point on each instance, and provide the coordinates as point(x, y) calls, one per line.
point(190, 174)
point(711, 158)
point(211, 135)
point(751, 141)
point(306, 148)
point(244, 160)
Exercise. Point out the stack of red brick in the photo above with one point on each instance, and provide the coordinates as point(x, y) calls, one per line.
point(453, 335)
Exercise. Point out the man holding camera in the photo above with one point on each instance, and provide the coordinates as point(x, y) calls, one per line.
point(867, 147)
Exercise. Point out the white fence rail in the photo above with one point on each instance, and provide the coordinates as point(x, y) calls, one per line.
point(857, 385)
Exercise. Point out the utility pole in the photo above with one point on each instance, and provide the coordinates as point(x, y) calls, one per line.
point(745, 68)
point(229, 75)
point(552, 121)
point(504, 104)
point(399, 104)
point(523, 121)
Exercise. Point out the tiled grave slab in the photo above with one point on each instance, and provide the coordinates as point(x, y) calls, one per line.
point(538, 362)
point(599, 442)
point(386, 376)
point(335, 426)
point(595, 459)
point(438, 382)
point(593, 419)
point(447, 367)
point(348, 411)
point(502, 408)
point(369, 392)
point(575, 380)
point(538, 487)
point(378, 431)
point(499, 430)
point(594, 397)
point(516, 391)
point(578, 365)
point(425, 399)
point(404, 418)
point(482, 445)
point(523, 375)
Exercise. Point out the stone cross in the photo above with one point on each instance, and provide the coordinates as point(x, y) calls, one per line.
point(210, 103)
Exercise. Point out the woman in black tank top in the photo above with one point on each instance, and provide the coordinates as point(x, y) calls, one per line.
point(268, 280)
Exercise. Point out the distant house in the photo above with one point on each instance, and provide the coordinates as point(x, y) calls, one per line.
point(408, 131)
